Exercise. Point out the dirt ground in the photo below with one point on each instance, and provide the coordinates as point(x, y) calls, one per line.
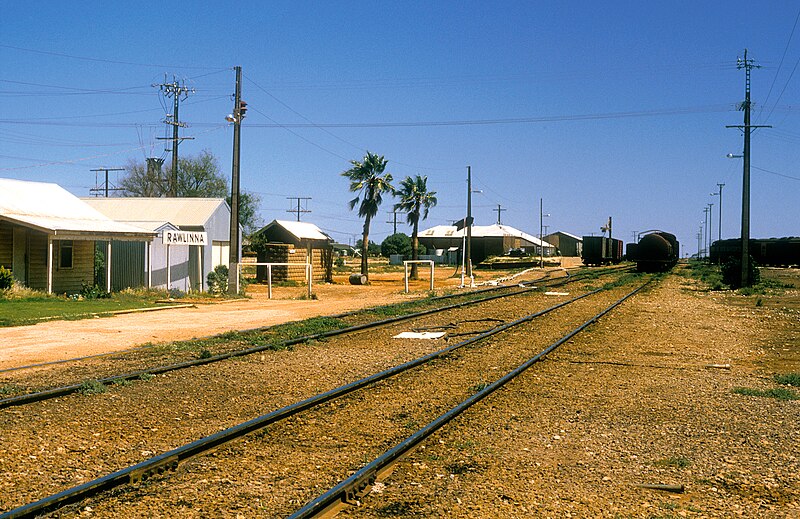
point(646, 396)
point(60, 340)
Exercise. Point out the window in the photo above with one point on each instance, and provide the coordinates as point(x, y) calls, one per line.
point(65, 254)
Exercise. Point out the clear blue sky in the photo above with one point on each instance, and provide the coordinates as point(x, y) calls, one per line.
point(599, 108)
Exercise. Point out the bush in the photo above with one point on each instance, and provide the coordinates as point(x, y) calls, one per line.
point(218, 280)
point(732, 272)
point(93, 292)
point(6, 278)
point(396, 244)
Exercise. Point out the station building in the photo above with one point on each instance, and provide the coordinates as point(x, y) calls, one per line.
point(192, 236)
point(50, 239)
point(487, 240)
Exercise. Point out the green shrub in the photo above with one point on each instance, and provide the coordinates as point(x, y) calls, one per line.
point(218, 280)
point(92, 387)
point(777, 393)
point(6, 278)
point(93, 292)
point(732, 272)
point(788, 379)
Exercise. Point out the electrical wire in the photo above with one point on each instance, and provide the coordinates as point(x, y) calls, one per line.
point(102, 60)
point(84, 159)
point(522, 120)
point(775, 173)
point(777, 72)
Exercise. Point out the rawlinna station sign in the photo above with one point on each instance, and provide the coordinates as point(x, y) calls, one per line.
point(184, 238)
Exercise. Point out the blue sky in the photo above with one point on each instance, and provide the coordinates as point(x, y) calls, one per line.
point(599, 108)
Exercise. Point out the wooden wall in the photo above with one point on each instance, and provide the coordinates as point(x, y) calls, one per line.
point(6, 245)
point(69, 280)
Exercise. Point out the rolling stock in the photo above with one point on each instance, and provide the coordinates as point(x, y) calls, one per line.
point(599, 250)
point(768, 252)
point(657, 251)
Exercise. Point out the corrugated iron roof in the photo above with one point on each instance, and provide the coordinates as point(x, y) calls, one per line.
point(300, 230)
point(53, 209)
point(183, 212)
point(481, 231)
point(577, 238)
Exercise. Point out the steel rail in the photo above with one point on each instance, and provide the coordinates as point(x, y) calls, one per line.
point(524, 284)
point(73, 388)
point(360, 483)
point(169, 460)
point(57, 392)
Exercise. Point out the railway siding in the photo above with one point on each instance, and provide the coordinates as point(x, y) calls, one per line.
point(132, 422)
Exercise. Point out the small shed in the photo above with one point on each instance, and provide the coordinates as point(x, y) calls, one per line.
point(566, 244)
point(197, 241)
point(49, 237)
point(284, 241)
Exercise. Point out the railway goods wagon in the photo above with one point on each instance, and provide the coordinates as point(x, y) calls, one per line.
point(599, 250)
point(771, 252)
point(657, 252)
point(631, 250)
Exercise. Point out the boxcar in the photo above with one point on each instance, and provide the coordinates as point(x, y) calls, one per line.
point(599, 250)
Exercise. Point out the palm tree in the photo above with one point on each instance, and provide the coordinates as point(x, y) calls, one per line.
point(414, 197)
point(370, 182)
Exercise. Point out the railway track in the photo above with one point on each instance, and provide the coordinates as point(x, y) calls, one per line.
point(92, 379)
point(168, 460)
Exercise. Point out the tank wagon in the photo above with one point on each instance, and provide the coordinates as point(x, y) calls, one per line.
point(657, 251)
point(599, 250)
point(770, 252)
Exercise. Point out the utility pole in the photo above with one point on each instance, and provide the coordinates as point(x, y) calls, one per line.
point(468, 246)
point(106, 189)
point(393, 221)
point(705, 230)
point(719, 221)
point(239, 108)
point(710, 228)
point(177, 92)
point(747, 128)
point(499, 209)
point(699, 239)
point(298, 211)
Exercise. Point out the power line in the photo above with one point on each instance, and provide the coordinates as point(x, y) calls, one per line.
point(298, 211)
point(523, 120)
point(775, 173)
point(102, 60)
point(780, 65)
point(417, 124)
point(106, 188)
point(177, 92)
point(499, 209)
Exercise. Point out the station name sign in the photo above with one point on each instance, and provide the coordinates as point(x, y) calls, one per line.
point(184, 238)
